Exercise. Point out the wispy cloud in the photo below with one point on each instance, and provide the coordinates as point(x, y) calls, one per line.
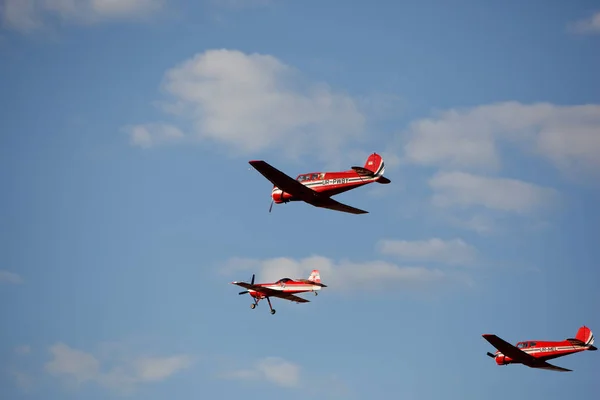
point(22, 380)
point(24, 349)
point(32, 15)
point(150, 135)
point(253, 102)
point(461, 189)
point(78, 367)
point(10, 277)
point(345, 275)
point(241, 4)
point(455, 251)
point(568, 136)
point(586, 26)
point(274, 370)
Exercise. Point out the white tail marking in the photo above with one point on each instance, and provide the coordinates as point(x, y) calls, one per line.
point(315, 276)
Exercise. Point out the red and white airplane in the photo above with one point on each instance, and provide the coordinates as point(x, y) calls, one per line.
point(316, 188)
point(534, 353)
point(283, 288)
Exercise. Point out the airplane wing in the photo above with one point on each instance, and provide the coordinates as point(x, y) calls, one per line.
point(510, 350)
point(285, 296)
point(272, 293)
point(545, 365)
point(519, 355)
point(283, 181)
point(296, 189)
point(336, 205)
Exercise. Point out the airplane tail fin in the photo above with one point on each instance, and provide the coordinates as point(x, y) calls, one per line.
point(585, 335)
point(375, 164)
point(315, 276)
point(374, 167)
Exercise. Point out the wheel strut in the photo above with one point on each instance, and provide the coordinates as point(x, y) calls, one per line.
point(272, 310)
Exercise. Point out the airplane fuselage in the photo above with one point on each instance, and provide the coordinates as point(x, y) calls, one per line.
point(542, 350)
point(291, 287)
point(329, 183)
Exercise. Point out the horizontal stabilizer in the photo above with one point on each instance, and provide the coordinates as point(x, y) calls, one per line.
point(310, 282)
point(363, 171)
point(593, 348)
point(383, 180)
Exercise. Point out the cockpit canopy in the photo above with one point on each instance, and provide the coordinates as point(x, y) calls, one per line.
point(524, 345)
point(284, 280)
point(310, 177)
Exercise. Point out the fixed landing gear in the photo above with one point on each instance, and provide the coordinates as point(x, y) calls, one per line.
point(316, 293)
point(253, 305)
point(272, 310)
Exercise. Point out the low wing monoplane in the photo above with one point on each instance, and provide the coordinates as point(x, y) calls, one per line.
point(316, 188)
point(534, 353)
point(284, 288)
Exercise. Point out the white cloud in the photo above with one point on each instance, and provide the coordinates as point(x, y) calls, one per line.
point(79, 367)
point(150, 369)
point(482, 224)
point(344, 275)
point(20, 14)
point(274, 370)
point(255, 102)
point(10, 277)
point(455, 251)
point(241, 4)
point(73, 363)
point(23, 380)
point(465, 190)
point(589, 25)
point(24, 349)
point(30, 15)
point(568, 136)
point(150, 135)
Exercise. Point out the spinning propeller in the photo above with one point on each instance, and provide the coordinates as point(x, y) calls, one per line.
point(271, 205)
point(491, 355)
point(251, 282)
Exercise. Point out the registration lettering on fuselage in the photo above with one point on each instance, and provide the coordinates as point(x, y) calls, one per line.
point(338, 181)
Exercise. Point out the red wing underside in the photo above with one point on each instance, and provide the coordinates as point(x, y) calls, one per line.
point(336, 205)
point(272, 293)
point(296, 189)
point(519, 355)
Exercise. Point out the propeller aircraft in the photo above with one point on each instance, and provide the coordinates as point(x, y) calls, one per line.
point(534, 353)
point(316, 188)
point(284, 288)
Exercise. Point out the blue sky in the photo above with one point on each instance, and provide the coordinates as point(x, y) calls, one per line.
point(128, 204)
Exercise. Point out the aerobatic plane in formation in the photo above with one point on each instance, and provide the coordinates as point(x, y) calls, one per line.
point(316, 188)
point(284, 288)
point(534, 353)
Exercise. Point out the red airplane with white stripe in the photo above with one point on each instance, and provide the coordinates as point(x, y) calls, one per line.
point(284, 288)
point(534, 353)
point(316, 188)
